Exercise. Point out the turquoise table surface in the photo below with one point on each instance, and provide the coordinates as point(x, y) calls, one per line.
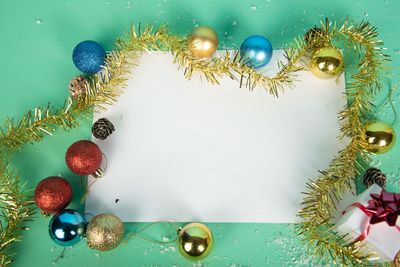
point(37, 39)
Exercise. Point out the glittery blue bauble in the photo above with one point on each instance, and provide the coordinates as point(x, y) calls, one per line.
point(258, 51)
point(88, 56)
point(67, 227)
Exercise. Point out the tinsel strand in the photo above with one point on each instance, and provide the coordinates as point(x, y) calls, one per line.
point(324, 192)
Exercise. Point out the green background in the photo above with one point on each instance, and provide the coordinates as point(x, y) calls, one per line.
point(37, 39)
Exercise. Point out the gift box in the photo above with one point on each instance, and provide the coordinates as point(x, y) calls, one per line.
point(372, 219)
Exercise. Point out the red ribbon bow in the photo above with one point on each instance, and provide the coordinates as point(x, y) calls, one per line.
point(384, 207)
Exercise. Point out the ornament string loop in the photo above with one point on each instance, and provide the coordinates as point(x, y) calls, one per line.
point(65, 251)
point(154, 241)
point(97, 175)
point(389, 99)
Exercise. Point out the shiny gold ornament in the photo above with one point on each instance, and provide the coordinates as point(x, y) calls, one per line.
point(105, 232)
point(202, 42)
point(379, 136)
point(326, 62)
point(195, 241)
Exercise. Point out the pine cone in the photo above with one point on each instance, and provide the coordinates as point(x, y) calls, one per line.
point(102, 128)
point(77, 86)
point(374, 176)
point(315, 37)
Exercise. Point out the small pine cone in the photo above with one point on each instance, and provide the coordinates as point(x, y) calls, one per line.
point(77, 86)
point(102, 128)
point(374, 176)
point(315, 37)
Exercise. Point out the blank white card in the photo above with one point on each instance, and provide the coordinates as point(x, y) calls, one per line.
point(191, 151)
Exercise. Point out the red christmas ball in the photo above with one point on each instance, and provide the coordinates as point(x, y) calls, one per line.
point(83, 157)
point(53, 194)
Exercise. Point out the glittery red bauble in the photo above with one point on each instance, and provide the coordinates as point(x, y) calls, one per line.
point(83, 157)
point(53, 194)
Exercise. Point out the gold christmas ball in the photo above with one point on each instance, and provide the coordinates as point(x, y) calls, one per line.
point(202, 42)
point(195, 241)
point(105, 232)
point(326, 62)
point(379, 136)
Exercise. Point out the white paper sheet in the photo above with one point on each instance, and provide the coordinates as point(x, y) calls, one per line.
point(192, 151)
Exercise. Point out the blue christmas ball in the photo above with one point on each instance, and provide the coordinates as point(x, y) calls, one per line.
point(67, 227)
point(88, 56)
point(257, 50)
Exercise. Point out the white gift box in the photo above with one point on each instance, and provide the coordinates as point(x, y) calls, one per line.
point(383, 240)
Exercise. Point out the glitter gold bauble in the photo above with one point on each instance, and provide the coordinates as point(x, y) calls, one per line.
point(326, 62)
point(105, 232)
point(195, 241)
point(202, 42)
point(379, 136)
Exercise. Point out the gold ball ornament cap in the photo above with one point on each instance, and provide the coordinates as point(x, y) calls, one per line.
point(105, 232)
point(326, 62)
point(379, 136)
point(195, 241)
point(202, 42)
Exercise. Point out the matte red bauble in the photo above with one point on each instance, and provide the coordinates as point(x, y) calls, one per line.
point(83, 157)
point(53, 194)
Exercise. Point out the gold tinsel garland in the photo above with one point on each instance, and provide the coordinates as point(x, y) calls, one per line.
point(17, 207)
point(322, 193)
